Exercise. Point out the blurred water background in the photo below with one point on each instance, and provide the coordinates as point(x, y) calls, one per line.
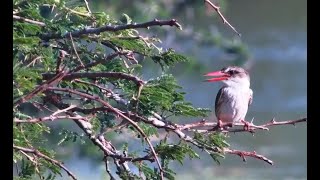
point(273, 47)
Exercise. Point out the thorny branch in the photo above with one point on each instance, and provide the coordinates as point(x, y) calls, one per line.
point(217, 9)
point(53, 161)
point(99, 30)
point(243, 154)
point(252, 127)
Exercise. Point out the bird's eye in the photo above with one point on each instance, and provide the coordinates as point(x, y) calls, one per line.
point(231, 72)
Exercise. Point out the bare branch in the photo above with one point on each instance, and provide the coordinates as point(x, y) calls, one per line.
point(19, 18)
point(37, 153)
point(99, 30)
point(293, 122)
point(249, 154)
point(217, 9)
point(108, 170)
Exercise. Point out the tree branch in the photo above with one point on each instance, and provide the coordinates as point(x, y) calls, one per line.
point(48, 118)
point(108, 170)
point(115, 28)
point(53, 161)
point(252, 127)
point(217, 9)
point(249, 154)
point(117, 75)
point(19, 18)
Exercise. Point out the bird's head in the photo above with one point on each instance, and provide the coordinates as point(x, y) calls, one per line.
point(231, 76)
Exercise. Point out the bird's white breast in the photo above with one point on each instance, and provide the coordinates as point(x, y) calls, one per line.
point(234, 104)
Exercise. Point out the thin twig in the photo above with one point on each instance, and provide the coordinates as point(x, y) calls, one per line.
point(75, 50)
point(76, 12)
point(37, 153)
point(34, 61)
point(87, 5)
point(217, 9)
point(99, 30)
point(28, 157)
point(277, 123)
point(108, 170)
point(19, 18)
point(63, 110)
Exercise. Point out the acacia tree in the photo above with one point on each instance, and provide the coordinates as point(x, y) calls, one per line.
point(71, 64)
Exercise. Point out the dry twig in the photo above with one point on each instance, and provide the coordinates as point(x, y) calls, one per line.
point(217, 9)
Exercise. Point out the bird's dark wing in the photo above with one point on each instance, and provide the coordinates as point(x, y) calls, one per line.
point(218, 100)
point(250, 98)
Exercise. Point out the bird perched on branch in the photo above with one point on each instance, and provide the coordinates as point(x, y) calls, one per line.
point(234, 98)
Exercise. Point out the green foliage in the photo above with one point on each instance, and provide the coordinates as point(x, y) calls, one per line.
point(175, 151)
point(169, 58)
point(149, 130)
point(213, 140)
point(70, 136)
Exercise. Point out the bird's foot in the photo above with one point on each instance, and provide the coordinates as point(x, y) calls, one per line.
point(221, 126)
point(246, 125)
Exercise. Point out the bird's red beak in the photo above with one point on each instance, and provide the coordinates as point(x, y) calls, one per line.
point(220, 76)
